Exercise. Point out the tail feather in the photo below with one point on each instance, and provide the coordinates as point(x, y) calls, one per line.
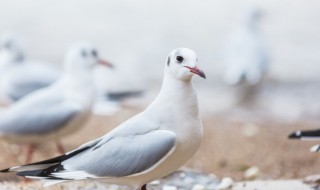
point(305, 135)
point(315, 148)
point(46, 164)
point(43, 173)
point(119, 96)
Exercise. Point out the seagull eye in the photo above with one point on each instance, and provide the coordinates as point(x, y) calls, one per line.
point(94, 53)
point(179, 59)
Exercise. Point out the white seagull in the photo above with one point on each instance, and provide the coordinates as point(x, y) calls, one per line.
point(18, 75)
point(57, 110)
point(307, 135)
point(146, 147)
point(246, 56)
point(112, 90)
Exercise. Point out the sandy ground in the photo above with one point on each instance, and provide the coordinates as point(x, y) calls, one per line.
point(225, 151)
point(274, 185)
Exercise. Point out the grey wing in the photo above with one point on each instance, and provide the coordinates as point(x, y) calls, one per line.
point(19, 89)
point(37, 117)
point(121, 156)
point(21, 83)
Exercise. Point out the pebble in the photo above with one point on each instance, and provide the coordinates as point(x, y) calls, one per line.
point(312, 179)
point(156, 182)
point(250, 130)
point(252, 173)
point(169, 187)
point(199, 187)
point(225, 183)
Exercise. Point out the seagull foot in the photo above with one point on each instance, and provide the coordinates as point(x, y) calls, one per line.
point(144, 187)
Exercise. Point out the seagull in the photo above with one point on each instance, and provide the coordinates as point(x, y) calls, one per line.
point(307, 135)
point(113, 90)
point(148, 146)
point(18, 75)
point(57, 110)
point(246, 58)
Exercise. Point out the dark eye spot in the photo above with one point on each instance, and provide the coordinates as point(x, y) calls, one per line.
point(179, 59)
point(84, 53)
point(94, 53)
point(168, 61)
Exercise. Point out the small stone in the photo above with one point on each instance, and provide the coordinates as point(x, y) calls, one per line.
point(199, 187)
point(156, 182)
point(252, 173)
point(188, 180)
point(182, 175)
point(225, 183)
point(169, 187)
point(250, 130)
point(312, 179)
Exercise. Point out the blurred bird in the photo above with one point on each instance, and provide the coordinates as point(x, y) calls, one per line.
point(19, 76)
point(246, 56)
point(113, 91)
point(148, 146)
point(307, 135)
point(56, 110)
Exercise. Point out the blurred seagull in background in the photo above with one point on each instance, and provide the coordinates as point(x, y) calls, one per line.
point(307, 135)
point(18, 75)
point(56, 110)
point(246, 56)
point(113, 91)
point(146, 147)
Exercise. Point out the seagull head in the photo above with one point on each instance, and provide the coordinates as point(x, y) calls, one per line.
point(11, 50)
point(253, 16)
point(182, 64)
point(83, 57)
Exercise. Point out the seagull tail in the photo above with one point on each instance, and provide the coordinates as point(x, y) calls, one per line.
point(118, 96)
point(315, 148)
point(43, 173)
point(305, 135)
point(46, 164)
point(25, 168)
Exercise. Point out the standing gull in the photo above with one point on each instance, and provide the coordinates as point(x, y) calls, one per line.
point(307, 135)
point(18, 75)
point(57, 110)
point(113, 89)
point(246, 56)
point(146, 147)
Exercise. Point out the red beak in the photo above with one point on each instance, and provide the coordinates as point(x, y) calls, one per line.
point(196, 71)
point(105, 63)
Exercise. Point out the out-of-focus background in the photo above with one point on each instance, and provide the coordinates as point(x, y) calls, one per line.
point(138, 35)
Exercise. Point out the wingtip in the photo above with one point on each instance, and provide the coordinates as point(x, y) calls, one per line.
point(295, 135)
point(315, 148)
point(5, 170)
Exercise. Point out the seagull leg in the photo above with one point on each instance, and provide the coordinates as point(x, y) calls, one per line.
point(60, 147)
point(30, 150)
point(144, 187)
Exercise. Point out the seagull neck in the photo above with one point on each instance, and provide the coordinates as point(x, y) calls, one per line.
point(173, 85)
point(8, 60)
point(179, 93)
point(78, 79)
